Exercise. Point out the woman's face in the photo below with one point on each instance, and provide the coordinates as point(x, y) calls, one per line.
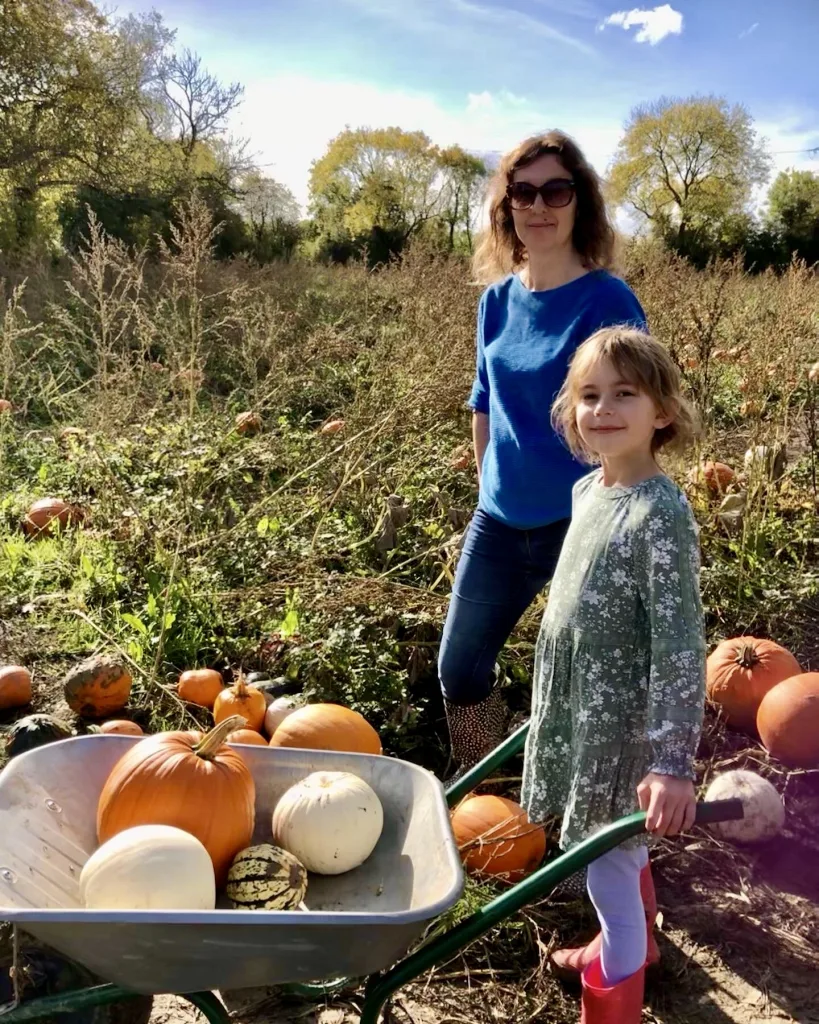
point(541, 228)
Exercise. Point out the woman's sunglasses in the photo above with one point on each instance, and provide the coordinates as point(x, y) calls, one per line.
point(556, 192)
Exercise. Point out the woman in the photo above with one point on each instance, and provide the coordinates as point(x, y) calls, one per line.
point(550, 235)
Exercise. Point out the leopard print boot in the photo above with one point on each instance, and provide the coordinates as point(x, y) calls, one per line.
point(475, 729)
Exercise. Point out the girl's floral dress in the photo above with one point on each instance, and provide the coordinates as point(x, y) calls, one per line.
point(619, 682)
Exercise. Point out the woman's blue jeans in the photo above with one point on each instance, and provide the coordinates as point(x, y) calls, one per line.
point(500, 572)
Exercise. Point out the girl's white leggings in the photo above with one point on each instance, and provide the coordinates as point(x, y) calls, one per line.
point(613, 882)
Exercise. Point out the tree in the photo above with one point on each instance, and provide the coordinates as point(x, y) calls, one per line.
point(686, 164)
point(375, 188)
point(271, 213)
point(464, 183)
point(793, 211)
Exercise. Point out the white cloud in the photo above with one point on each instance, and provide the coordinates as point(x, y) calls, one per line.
point(290, 119)
point(655, 24)
point(747, 31)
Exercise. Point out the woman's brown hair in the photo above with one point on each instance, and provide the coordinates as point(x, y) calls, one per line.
point(644, 362)
point(499, 250)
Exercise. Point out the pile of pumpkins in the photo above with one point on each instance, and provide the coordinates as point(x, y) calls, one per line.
point(176, 818)
point(760, 689)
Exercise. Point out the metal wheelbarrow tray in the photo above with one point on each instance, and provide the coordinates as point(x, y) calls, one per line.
point(357, 925)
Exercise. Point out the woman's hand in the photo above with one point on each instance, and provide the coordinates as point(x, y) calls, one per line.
point(669, 802)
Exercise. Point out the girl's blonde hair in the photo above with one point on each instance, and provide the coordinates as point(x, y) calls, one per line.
point(644, 362)
point(499, 251)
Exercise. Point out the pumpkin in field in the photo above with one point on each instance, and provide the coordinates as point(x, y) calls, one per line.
point(97, 687)
point(5, 406)
point(788, 721)
point(149, 867)
point(187, 781)
point(740, 671)
point(35, 731)
point(277, 710)
point(200, 686)
point(46, 515)
point(121, 727)
point(248, 423)
point(266, 877)
point(333, 427)
point(15, 687)
point(495, 837)
point(762, 807)
point(241, 699)
point(247, 736)
point(716, 476)
point(331, 821)
point(327, 727)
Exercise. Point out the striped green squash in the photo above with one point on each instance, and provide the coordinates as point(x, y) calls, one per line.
point(265, 877)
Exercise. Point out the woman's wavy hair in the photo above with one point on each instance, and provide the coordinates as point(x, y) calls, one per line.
point(499, 251)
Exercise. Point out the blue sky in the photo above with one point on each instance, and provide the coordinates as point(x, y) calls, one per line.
point(486, 73)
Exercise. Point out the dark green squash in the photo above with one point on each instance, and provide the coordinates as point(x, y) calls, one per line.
point(34, 731)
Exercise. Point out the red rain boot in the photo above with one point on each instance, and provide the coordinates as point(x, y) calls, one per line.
point(611, 1004)
point(569, 964)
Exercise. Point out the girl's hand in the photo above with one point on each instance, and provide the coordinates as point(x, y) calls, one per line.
point(669, 802)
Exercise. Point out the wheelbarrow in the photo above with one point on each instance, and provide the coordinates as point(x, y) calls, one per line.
point(357, 928)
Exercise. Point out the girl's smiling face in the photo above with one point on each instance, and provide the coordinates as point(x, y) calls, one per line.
point(615, 419)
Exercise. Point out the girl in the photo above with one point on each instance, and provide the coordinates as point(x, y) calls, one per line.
point(550, 235)
point(619, 685)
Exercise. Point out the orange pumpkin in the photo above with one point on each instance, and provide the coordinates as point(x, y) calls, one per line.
point(195, 783)
point(495, 837)
point(247, 736)
point(15, 687)
point(97, 687)
point(200, 686)
point(788, 721)
point(740, 671)
point(121, 727)
point(5, 405)
point(248, 423)
point(327, 727)
point(241, 699)
point(46, 515)
point(716, 476)
point(333, 427)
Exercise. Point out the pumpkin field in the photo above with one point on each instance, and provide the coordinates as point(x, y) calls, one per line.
point(230, 490)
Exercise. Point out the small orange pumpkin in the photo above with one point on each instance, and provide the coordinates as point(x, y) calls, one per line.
point(5, 405)
point(200, 686)
point(332, 427)
point(327, 727)
point(97, 687)
point(740, 671)
point(199, 784)
point(121, 727)
point(247, 736)
point(788, 720)
point(15, 687)
point(248, 423)
point(46, 515)
point(495, 837)
point(241, 699)
point(716, 476)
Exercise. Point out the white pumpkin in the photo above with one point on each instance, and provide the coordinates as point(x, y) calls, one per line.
point(277, 711)
point(763, 806)
point(331, 821)
point(149, 867)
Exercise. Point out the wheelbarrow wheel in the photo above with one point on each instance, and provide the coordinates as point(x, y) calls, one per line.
point(44, 972)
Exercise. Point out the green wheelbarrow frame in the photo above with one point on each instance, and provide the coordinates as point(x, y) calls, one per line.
point(379, 988)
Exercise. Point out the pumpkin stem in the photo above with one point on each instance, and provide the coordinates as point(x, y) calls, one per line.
point(747, 656)
point(240, 686)
point(210, 744)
